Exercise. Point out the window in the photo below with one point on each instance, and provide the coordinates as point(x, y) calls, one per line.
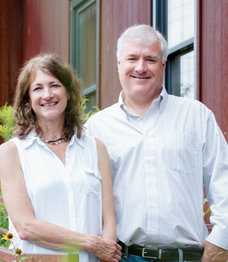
point(175, 19)
point(83, 44)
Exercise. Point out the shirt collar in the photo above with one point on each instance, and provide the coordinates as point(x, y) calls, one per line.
point(79, 141)
point(30, 138)
point(162, 100)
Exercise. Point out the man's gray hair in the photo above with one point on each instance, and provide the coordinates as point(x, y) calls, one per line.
point(142, 34)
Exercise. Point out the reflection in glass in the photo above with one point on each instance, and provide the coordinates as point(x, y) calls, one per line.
point(187, 75)
point(87, 45)
point(87, 52)
point(180, 21)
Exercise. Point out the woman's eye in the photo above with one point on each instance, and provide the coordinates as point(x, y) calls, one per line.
point(36, 88)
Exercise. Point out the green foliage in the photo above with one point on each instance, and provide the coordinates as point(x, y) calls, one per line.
point(3, 216)
point(86, 116)
point(6, 118)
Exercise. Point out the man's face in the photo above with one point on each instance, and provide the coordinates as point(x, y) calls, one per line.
point(141, 71)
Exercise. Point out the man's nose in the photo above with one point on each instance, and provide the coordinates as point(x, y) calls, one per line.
point(141, 66)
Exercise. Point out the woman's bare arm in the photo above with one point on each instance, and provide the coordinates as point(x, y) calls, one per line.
point(108, 213)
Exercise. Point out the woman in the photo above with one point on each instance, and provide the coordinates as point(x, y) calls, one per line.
point(56, 182)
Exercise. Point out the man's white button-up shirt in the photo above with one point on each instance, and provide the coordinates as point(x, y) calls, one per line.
point(159, 165)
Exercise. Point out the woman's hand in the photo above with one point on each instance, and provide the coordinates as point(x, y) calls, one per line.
point(105, 249)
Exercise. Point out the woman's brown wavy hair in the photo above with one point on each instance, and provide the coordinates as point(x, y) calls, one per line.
point(54, 65)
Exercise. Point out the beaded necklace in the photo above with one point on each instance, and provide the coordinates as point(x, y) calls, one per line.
point(53, 142)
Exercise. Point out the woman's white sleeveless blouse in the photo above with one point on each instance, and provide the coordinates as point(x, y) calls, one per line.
point(68, 196)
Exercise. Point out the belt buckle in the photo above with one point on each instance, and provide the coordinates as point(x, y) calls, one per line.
point(145, 256)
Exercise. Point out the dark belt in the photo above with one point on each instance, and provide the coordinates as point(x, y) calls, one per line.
point(189, 253)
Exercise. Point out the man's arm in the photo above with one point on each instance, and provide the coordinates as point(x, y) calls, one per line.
point(215, 168)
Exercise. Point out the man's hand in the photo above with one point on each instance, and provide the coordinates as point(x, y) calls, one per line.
point(213, 253)
point(104, 249)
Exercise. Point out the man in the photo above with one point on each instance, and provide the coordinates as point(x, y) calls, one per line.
point(162, 149)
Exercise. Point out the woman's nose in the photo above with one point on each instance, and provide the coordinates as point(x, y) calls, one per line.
point(47, 94)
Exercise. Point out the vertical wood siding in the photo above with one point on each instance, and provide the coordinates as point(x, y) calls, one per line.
point(46, 28)
point(115, 17)
point(213, 58)
point(11, 40)
point(28, 27)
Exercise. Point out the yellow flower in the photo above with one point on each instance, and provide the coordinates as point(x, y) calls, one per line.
point(17, 252)
point(8, 236)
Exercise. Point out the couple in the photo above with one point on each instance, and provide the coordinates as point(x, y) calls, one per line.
point(56, 181)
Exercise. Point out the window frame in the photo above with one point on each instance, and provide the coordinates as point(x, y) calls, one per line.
point(76, 7)
point(160, 22)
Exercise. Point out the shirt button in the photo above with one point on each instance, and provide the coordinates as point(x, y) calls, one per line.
point(150, 182)
point(138, 118)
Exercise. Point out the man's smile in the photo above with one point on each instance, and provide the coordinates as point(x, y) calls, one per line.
point(141, 77)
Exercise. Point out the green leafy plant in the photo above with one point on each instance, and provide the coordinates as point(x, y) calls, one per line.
point(6, 129)
point(6, 118)
point(3, 216)
point(87, 115)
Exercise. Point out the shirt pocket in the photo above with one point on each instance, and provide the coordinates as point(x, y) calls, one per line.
point(180, 152)
point(92, 179)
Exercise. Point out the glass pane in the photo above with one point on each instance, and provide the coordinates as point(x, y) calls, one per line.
point(180, 21)
point(91, 103)
point(182, 75)
point(87, 45)
point(187, 75)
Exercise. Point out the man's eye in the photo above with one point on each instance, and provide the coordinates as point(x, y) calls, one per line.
point(151, 60)
point(131, 59)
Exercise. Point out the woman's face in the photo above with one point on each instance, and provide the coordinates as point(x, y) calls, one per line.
point(48, 98)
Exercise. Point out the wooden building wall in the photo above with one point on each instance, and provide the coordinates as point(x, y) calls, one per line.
point(46, 28)
point(213, 58)
point(115, 17)
point(27, 28)
point(11, 45)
